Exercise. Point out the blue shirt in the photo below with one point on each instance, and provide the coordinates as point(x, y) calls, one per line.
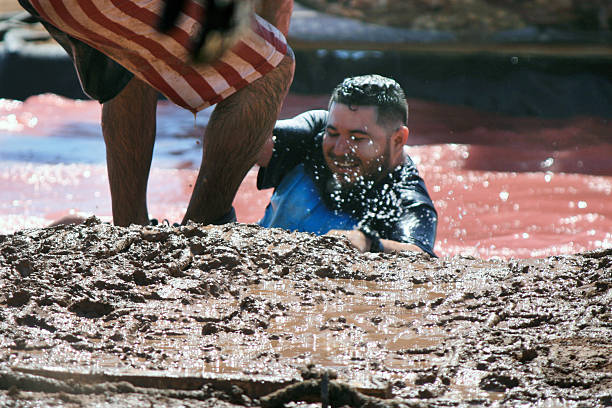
point(297, 206)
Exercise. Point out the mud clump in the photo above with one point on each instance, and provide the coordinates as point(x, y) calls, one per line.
point(230, 315)
point(90, 308)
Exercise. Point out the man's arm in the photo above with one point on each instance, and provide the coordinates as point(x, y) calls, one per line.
point(395, 246)
point(291, 142)
point(415, 230)
point(220, 25)
point(363, 244)
point(265, 154)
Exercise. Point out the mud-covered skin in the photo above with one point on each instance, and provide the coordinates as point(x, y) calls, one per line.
point(244, 300)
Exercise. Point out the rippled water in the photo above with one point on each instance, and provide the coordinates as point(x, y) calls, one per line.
point(503, 186)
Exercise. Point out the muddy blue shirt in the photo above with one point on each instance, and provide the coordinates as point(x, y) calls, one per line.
point(305, 199)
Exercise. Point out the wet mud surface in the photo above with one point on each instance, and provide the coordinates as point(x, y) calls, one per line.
point(223, 316)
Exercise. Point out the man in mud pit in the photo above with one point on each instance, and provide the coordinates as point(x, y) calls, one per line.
point(346, 171)
point(124, 53)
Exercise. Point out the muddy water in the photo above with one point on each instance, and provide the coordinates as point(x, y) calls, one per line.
point(339, 329)
point(339, 325)
point(503, 186)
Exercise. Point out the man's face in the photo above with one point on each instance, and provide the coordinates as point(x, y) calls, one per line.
point(355, 147)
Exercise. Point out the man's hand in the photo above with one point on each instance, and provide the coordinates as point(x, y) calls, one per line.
point(221, 22)
point(362, 243)
point(355, 237)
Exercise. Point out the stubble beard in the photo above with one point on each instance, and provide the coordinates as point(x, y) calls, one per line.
point(345, 184)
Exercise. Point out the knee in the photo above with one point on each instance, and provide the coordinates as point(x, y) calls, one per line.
point(287, 67)
point(290, 56)
point(266, 91)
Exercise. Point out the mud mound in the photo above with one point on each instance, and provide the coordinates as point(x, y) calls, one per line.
point(223, 316)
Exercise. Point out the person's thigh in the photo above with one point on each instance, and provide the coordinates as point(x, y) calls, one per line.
point(100, 77)
point(236, 131)
point(127, 32)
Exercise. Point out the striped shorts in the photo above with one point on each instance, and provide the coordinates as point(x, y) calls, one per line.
point(124, 30)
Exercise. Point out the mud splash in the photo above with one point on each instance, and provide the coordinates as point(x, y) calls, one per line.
point(175, 309)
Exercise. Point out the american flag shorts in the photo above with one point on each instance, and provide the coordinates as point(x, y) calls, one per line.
point(125, 30)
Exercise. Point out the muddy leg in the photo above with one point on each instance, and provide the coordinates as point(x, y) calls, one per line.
point(237, 130)
point(128, 126)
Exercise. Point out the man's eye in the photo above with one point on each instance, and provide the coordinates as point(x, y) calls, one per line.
point(331, 134)
point(357, 138)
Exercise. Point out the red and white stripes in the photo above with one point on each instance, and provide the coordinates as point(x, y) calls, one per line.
point(125, 31)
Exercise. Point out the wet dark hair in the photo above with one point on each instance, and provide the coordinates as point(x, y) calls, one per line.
point(373, 90)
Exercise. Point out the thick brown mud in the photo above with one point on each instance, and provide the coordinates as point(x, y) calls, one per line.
point(224, 316)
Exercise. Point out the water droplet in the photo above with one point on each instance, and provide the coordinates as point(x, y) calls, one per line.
point(547, 163)
point(504, 195)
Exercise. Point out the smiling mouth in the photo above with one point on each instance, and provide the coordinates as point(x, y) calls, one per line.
point(345, 165)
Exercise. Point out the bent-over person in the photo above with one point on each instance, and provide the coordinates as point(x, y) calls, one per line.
point(123, 60)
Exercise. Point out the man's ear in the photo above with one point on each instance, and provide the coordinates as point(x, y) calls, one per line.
point(400, 137)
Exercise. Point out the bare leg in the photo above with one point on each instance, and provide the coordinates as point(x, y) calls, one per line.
point(128, 126)
point(237, 130)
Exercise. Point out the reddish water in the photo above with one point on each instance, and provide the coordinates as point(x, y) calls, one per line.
point(503, 186)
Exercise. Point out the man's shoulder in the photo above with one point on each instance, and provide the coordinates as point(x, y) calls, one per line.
point(306, 122)
point(317, 114)
point(315, 119)
point(300, 133)
point(407, 159)
point(406, 181)
point(407, 170)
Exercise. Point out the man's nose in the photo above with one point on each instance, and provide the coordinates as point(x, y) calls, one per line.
point(342, 146)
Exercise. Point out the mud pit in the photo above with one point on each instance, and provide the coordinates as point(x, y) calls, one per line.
point(221, 316)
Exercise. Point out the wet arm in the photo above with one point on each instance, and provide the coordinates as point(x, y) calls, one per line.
point(362, 243)
point(417, 228)
point(415, 231)
point(290, 142)
point(395, 246)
